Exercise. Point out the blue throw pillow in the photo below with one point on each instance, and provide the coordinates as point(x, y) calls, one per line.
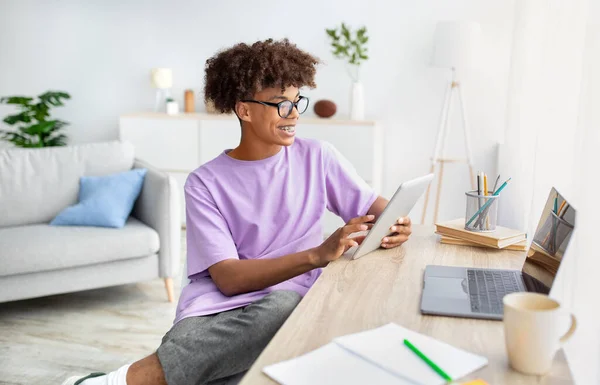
point(104, 201)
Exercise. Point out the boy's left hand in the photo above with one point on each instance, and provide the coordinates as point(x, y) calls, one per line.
point(400, 232)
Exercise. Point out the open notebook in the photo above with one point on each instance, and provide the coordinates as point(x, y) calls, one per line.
point(376, 356)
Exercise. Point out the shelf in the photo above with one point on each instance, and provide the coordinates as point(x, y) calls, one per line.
point(207, 116)
point(452, 160)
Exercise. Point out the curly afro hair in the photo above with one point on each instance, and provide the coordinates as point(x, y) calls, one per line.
point(242, 70)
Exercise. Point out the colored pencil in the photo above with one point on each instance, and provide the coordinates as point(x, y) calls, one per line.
point(431, 364)
point(561, 207)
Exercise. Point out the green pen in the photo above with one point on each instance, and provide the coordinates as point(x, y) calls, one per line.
point(431, 364)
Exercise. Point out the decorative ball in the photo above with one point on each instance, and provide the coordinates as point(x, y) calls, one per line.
point(325, 108)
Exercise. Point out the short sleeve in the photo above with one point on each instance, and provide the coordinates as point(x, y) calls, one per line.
point(348, 195)
point(208, 237)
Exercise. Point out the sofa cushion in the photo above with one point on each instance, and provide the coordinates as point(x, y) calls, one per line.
point(36, 184)
point(104, 201)
point(41, 247)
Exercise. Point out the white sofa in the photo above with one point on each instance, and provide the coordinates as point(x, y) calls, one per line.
point(37, 259)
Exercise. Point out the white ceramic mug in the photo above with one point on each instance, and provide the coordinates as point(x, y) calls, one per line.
point(533, 328)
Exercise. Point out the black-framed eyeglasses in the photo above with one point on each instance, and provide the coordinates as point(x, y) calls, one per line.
point(285, 107)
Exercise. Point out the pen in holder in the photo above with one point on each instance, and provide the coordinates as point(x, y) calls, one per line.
point(485, 221)
point(553, 233)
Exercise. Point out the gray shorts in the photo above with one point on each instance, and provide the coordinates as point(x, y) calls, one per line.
point(220, 348)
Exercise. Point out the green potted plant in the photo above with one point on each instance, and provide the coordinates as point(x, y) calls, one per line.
point(351, 46)
point(33, 125)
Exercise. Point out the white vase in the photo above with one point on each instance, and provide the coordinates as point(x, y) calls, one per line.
point(172, 108)
point(357, 102)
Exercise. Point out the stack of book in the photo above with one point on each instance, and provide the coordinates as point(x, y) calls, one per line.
point(543, 258)
point(454, 233)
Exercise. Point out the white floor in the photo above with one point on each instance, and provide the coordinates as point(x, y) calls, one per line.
point(44, 340)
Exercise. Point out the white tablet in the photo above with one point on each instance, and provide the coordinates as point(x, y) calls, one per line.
point(402, 202)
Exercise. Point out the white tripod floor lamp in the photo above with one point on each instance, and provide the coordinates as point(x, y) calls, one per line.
point(455, 43)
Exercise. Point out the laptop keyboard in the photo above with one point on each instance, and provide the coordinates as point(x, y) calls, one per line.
point(486, 289)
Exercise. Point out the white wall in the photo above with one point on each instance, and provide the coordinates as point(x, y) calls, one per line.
point(101, 53)
point(552, 139)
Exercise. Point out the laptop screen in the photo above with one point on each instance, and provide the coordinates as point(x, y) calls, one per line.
point(549, 243)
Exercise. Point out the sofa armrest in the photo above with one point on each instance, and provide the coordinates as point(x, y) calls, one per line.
point(159, 207)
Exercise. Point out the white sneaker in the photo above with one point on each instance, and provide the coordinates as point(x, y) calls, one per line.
point(76, 380)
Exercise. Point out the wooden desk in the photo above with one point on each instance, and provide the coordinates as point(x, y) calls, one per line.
point(385, 286)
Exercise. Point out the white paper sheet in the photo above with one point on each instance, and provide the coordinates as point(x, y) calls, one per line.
point(330, 365)
point(385, 347)
point(377, 356)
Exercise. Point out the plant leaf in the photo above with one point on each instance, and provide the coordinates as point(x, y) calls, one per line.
point(41, 111)
point(20, 117)
point(20, 100)
point(58, 140)
point(54, 94)
point(48, 126)
point(17, 139)
point(54, 97)
point(345, 31)
point(60, 124)
point(40, 128)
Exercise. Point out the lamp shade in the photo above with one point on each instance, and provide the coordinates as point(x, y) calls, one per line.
point(162, 78)
point(456, 44)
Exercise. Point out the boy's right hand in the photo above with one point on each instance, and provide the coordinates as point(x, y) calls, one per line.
point(338, 243)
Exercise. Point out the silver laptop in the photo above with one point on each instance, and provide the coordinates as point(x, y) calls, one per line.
point(477, 293)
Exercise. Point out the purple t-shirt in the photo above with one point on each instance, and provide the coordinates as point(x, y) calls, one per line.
point(263, 209)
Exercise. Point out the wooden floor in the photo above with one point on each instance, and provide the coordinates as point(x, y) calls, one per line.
point(45, 340)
